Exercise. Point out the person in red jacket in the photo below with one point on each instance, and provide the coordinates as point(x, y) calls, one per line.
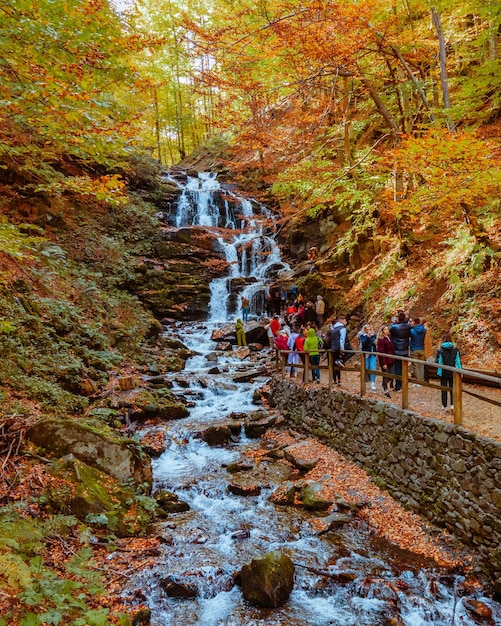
point(385, 345)
point(282, 340)
point(275, 325)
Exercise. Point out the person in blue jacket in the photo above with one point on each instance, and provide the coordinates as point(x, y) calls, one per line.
point(418, 332)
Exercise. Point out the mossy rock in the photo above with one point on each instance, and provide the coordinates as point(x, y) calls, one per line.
point(268, 580)
point(96, 498)
point(160, 404)
point(114, 455)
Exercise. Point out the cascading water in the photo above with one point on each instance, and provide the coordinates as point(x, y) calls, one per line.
point(206, 546)
point(250, 249)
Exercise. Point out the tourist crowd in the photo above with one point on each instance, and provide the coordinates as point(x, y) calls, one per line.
point(298, 327)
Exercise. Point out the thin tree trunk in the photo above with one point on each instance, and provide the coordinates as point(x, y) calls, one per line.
point(347, 122)
point(444, 80)
point(157, 124)
point(382, 110)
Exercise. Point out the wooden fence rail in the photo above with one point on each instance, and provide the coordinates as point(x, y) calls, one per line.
point(457, 374)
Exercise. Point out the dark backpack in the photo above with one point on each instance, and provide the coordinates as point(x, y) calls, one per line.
point(448, 358)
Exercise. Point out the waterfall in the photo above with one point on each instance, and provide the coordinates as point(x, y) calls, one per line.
point(368, 581)
point(251, 251)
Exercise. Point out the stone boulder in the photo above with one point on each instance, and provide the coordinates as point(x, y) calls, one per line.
point(121, 458)
point(159, 404)
point(216, 435)
point(258, 423)
point(268, 580)
point(284, 495)
point(176, 588)
point(94, 497)
point(169, 502)
point(255, 333)
point(313, 497)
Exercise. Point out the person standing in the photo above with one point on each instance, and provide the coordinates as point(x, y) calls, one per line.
point(367, 340)
point(320, 309)
point(447, 354)
point(310, 315)
point(312, 347)
point(385, 345)
point(272, 330)
point(240, 333)
point(283, 300)
point(337, 345)
point(293, 356)
point(400, 333)
point(276, 302)
point(416, 344)
point(245, 309)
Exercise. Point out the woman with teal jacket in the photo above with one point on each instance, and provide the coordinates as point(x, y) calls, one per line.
point(447, 354)
point(312, 345)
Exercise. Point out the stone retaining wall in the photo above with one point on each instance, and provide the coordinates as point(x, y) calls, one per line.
point(445, 472)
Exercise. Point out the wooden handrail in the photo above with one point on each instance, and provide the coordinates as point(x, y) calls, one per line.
point(457, 373)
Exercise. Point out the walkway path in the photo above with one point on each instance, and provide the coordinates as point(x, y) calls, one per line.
point(480, 417)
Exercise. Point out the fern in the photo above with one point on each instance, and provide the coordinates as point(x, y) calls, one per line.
point(14, 571)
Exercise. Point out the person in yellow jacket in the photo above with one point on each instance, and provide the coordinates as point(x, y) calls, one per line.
point(240, 332)
point(312, 345)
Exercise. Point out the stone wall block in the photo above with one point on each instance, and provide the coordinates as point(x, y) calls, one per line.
point(445, 472)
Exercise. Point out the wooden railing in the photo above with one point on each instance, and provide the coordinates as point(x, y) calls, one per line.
point(330, 366)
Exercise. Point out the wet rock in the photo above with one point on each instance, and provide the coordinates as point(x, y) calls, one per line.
point(480, 611)
point(312, 497)
point(242, 353)
point(212, 357)
point(268, 580)
point(255, 347)
point(224, 346)
point(158, 382)
point(216, 435)
point(170, 502)
point(300, 457)
point(174, 588)
point(255, 428)
point(182, 382)
point(234, 415)
point(240, 466)
point(239, 489)
point(142, 616)
point(245, 377)
point(160, 404)
point(284, 495)
point(255, 333)
point(240, 535)
point(214, 370)
point(336, 520)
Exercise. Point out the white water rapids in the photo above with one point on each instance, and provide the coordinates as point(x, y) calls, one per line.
point(209, 544)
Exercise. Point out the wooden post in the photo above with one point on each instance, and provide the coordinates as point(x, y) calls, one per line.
point(306, 373)
point(457, 397)
point(405, 384)
point(363, 384)
point(277, 359)
point(282, 364)
point(330, 365)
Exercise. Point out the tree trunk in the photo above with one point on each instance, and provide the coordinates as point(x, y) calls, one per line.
point(382, 110)
point(444, 80)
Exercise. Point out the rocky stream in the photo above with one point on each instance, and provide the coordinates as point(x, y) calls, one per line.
point(238, 493)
